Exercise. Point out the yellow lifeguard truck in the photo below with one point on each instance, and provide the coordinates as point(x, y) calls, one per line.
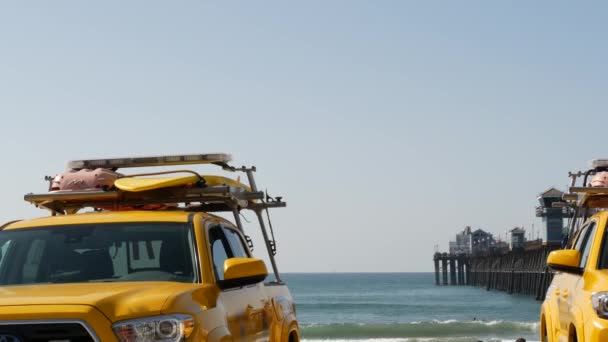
point(142, 257)
point(576, 304)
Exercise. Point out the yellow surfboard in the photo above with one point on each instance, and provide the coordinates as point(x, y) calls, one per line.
point(134, 184)
point(219, 180)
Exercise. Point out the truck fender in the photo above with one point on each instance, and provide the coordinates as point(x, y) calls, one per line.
point(547, 319)
point(579, 323)
point(293, 329)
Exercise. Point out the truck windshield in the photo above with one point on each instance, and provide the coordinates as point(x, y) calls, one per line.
point(116, 252)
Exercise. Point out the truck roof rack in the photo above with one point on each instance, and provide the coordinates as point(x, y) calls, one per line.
point(583, 190)
point(586, 195)
point(201, 196)
point(229, 196)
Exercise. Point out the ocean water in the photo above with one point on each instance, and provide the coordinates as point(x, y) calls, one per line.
point(407, 307)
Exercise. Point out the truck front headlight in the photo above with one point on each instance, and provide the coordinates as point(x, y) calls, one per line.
point(169, 328)
point(600, 304)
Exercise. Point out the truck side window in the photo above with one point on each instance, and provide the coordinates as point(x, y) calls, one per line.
point(220, 250)
point(236, 243)
point(579, 237)
point(585, 246)
point(603, 258)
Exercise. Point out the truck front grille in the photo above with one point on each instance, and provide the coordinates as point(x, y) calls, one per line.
point(44, 332)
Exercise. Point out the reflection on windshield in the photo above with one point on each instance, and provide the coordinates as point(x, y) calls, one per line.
point(97, 253)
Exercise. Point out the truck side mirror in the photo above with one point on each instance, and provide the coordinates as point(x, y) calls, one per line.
point(565, 260)
point(242, 271)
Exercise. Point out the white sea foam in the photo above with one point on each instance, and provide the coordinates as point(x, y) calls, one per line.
point(421, 331)
point(433, 339)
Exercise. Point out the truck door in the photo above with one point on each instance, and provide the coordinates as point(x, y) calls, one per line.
point(248, 309)
point(572, 284)
point(577, 293)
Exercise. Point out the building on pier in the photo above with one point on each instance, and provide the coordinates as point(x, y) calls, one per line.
point(469, 242)
point(518, 239)
point(553, 218)
point(463, 243)
point(483, 242)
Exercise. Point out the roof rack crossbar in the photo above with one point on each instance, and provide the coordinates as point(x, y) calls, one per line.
point(207, 206)
point(72, 196)
point(224, 198)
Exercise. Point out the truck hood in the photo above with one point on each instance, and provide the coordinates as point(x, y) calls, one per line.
point(117, 301)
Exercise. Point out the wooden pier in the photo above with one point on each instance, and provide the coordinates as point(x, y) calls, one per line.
point(477, 259)
point(520, 271)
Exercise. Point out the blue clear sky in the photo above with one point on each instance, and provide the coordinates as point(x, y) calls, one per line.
point(387, 125)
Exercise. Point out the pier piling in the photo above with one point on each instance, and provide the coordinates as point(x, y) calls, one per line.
point(436, 271)
point(444, 269)
point(452, 271)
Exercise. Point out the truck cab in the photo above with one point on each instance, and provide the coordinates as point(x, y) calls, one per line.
point(150, 260)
